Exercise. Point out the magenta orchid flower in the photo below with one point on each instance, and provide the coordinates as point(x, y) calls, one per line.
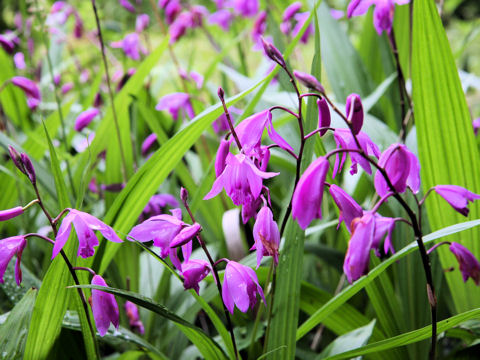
point(241, 179)
point(222, 18)
point(194, 271)
point(344, 140)
point(301, 19)
point(222, 153)
point(19, 61)
point(7, 43)
point(147, 144)
point(382, 15)
point(8, 248)
point(288, 14)
point(324, 118)
point(359, 246)
point(246, 8)
point(185, 235)
point(266, 235)
point(402, 168)
point(85, 118)
point(240, 287)
point(157, 204)
point(104, 307)
point(127, 5)
point(348, 207)
point(133, 317)
point(131, 46)
point(142, 22)
point(173, 103)
point(383, 226)
point(259, 27)
point(30, 89)
point(85, 227)
point(457, 196)
point(172, 9)
point(469, 265)
point(354, 112)
point(10, 213)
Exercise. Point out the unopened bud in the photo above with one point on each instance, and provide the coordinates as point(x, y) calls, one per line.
point(183, 194)
point(273, 53)
point(16, 158)
point(221, 93)
point(309, 81)
point(10, 213)
point(354, 111)
point(185, 235)
point(324, 119)
point(29, 170)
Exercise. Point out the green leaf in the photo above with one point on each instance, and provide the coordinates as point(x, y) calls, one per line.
point(410, 337)
point(446, 144)
point(207, 346)
point(13, 331)
point(354, 288)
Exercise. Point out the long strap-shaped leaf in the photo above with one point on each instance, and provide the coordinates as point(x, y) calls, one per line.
point(206, 345)
point(446, 143)
point(351, 290)
point(409, 337)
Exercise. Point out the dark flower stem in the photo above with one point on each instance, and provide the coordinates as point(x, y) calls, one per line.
point(216, 278)
point(221, 96)
point(437, 245)
point(110, 93)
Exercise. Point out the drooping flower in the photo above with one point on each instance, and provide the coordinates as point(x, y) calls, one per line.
point(246, 8)
point(457, 196)
point(133, 317)
point(241, 179)
point(85, 118)
point(349, 209)
point(85, 227)
point(10, 213)
point(250, 210)
point(240, 287)
point(222, 153)
point(469, 265)
point(382, 15)
point(344, 140)
point(324, 119)
point(307, 197)
point(8, 248)
point(30, 89)
point(266, 235)
point(402, 168)
point(194, 271)
point(354, 112)
point(131, 46)
point(359, 246)
point(162, 229)
point(172, 9)
point(104, 307)
point(174, 102)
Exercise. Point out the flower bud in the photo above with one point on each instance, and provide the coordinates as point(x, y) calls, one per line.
point(324, 119)
point(354, 110)
point(309, 81)
point(29, 170)
point(16, 158)
point(10, 213)
point(221, 93)
point(183, 194)
point(185, 235)
point(273, 53)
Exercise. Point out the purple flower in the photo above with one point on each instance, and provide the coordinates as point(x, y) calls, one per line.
point(250, 131)
point(194, 271)
point(259, 27)
point(157, 204)
point(29, 169)
point(133, 317)
point(359, 246)
point(222, 153)
point(309, 81)
point(354, 111)
point(272, 52)
point(344, 140)
point(67, 87)
point(185, 235)
point(180, 25)
point(85, 118)
point(192, 76)
point(291, 10)
point(104, 307)
point(241, 179)
point(250, 210)
point(19, 60)
point(162, 229)
point(476, 126)
point(85, 227)
point(349, 209)
point(246, 8)
point(240, 287)
point(266, 235)
point(222, 18)
point(127, 6)
point(78, 28)
point(30, 89)
point(148, 143)
point(8, 248)
point(172, 9)
point(142, 22)
point(469, 265)
point(7, 43)
point(457, 196)
point(382, 15)
point(383, 226)
point(324, 119)
point(301, 19)
point(221, 123)
point(307, 197)
point(173, 103)
point(10, 213)
point(131, 46)
point(402, 168)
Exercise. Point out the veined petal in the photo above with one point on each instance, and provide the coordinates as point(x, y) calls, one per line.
point(63, 234)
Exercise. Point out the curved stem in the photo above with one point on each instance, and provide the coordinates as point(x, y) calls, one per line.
point(278, 107)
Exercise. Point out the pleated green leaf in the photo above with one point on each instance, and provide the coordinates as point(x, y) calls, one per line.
point(446, 144)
